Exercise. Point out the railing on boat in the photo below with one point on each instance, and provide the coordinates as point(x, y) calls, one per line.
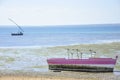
point(78, 53)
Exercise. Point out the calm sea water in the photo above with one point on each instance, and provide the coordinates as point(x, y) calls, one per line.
point(59, 35)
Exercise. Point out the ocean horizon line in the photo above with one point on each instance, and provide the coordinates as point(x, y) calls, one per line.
point(67, 25)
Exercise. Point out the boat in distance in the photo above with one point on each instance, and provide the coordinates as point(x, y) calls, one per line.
point(91, 64)
point(20, 31)
point(17, 34)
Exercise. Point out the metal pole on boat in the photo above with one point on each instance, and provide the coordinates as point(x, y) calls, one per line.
point(90, 52)
point(68, 51)
point(81, 55)
point(77, 53)
point(94, 54)
point(72, 52)
point(117, 57)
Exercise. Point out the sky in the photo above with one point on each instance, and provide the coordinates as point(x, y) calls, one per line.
point(59, 12)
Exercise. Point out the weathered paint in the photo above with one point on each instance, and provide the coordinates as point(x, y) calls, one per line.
point(91, 64)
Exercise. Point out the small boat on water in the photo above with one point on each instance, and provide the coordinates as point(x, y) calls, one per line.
point(20, 32)
point(91, 64)
point(17, 34)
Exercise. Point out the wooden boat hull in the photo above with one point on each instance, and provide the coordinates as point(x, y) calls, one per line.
point(80, 68)
point(87, 65)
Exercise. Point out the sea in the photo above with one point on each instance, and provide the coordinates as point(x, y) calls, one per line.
point(29, 58)
point(59, 35)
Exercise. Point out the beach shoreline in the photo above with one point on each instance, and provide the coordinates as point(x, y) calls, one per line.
point(30, 63)
point(52, 46)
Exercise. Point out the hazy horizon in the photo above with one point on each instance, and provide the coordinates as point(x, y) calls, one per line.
point(80, 25)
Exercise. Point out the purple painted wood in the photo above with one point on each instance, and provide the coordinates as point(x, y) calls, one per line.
point(82, 61)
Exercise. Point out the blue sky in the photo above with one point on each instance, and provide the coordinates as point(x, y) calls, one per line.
point(59, 12)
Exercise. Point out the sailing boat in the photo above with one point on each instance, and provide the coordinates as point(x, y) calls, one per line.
point(20, 33)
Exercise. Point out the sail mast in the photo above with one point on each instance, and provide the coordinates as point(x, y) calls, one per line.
point(16, 24)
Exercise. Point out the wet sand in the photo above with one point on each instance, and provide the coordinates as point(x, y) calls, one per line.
point(10, 57)
point(60, 76)
point(40, 78)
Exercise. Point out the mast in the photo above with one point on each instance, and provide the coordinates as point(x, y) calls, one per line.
point(16, 24)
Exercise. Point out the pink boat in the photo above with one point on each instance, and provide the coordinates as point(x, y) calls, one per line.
point(90, 64)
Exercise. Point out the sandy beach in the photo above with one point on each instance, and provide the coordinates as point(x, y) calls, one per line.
point(60, 76)
point(30, 63)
